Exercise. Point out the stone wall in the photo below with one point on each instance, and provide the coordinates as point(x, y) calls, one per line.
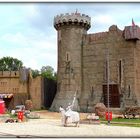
point(69, 65)
point(137, 72)
point(10, 83)
point(94, 65)
point(36, 92)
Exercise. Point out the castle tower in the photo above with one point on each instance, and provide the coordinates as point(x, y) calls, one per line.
point(71, 29)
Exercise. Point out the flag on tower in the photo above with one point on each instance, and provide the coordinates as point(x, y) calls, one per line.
point(133, 24)
point(76, 11)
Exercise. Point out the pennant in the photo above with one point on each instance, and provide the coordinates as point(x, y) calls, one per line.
point(76, 11)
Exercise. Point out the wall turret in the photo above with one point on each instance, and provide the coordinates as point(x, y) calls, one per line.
point(71, 29)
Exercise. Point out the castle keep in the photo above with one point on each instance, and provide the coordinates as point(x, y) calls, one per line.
point(82, 64)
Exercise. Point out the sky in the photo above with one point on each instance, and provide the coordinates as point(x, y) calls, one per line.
point(27, 32)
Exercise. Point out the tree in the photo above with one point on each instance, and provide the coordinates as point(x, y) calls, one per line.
point(10, 64)
point(48, 72)
point(35, 73)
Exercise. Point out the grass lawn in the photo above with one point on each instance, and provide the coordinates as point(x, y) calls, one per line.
point(136, 120)
point(123, 122)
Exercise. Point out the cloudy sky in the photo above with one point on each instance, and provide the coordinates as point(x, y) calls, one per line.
point(27, 32)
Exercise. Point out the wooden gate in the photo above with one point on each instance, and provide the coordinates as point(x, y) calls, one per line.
point(114, 98)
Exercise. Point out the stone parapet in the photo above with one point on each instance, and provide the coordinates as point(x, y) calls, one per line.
point(8, 74)
point(72, 19)
point(97, 36)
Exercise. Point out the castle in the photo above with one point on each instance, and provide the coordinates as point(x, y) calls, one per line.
point(84, 59)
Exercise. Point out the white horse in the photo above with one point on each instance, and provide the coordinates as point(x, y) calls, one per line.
point(72, 118)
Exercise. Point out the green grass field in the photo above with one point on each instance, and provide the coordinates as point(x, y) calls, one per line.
point(123, 122)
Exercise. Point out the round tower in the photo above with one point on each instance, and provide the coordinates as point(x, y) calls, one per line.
point(71, 29)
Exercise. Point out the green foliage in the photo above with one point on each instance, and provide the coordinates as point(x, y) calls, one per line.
point(13, 116)
point(55, 76)
point(122, 122)
point(136, 120)
point(13, 64)
point(35, 73)
point(130, 125)
point(48, 72)
point(10, 64)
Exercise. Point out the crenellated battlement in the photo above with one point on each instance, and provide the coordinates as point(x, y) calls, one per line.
point(72, 19)
point(97, 36)
point(12, 74)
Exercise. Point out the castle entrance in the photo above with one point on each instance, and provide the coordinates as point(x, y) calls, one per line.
point(114, 98)
point(49, 88)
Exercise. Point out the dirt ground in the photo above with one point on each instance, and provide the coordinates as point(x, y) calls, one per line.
point(49, 125)
point(56, 115)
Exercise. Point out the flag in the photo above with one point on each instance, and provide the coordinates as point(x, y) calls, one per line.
point(76, 11)
point(133, 24)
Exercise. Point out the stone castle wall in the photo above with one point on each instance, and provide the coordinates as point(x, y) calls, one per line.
point(88, 53)
point(36, 92)
point(10, 83)
point(137, 72)
point(94, 58)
